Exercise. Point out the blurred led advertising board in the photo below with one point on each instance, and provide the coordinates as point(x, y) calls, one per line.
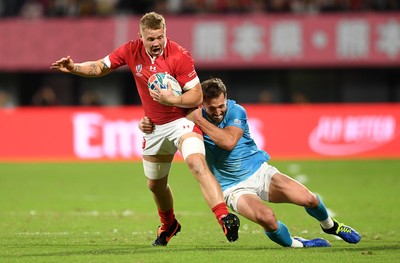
point(215, 41)
point(284, 131)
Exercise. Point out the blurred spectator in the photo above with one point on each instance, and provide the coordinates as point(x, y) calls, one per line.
point(278, 6)
point(62, 8)
point(83, 8)
point(300, 98)
point(175, 6)
point(265, 97)
point(161, 6)
point(258, 6)
point(233, 6)
point(134, 6)
point(87, 8)
point(32, 9)
point(91, 98)
point(333, 6)
point(200, 7)
point(106, 7)
point(305, 6)
point(45, 96)
point(9, 8)
point(6, 100)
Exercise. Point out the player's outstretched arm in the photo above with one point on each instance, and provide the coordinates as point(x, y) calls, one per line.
point(85, 69)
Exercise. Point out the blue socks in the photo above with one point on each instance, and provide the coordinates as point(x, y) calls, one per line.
point(319, 212)
point(281, 235)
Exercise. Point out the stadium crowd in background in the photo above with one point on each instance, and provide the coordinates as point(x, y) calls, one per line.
point(6, 100)
point(85, 8)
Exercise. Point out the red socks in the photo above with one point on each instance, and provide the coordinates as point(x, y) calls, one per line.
point(220, 211)
point(166, 218)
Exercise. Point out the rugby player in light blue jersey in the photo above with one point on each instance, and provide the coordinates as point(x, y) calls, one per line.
point(245, 176)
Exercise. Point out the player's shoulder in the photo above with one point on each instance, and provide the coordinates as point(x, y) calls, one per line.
point(174, 45)
point(235, 111)
point(175, 49)
point(235, 107)
point(134, 43)
point(129, 46)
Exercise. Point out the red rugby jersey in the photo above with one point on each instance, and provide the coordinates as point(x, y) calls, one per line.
point(175, 60)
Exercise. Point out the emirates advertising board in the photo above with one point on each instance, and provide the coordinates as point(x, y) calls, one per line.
point(284, 131)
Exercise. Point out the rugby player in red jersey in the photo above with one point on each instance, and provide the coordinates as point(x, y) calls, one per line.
point(153, 52)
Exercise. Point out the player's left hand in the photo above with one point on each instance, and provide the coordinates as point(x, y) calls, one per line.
point(164, 96)
point(146, 125)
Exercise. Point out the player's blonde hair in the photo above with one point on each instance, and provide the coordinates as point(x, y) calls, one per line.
point(153, 21)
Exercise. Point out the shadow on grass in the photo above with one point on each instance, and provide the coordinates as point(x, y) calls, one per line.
point(93, 250)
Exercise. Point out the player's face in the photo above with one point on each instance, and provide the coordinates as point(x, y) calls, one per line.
point(215, 108)
point(154, 41)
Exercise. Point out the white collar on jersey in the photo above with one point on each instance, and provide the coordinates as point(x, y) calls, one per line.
point(154, 58)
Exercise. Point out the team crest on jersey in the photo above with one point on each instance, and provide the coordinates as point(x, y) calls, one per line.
point(138, 69)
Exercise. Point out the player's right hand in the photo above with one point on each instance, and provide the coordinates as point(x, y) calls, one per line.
point(194, 114)
point(64, 64)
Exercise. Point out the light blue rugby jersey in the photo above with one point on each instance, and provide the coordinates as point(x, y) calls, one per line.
point(232, 167)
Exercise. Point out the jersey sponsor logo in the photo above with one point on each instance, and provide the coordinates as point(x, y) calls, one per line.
point(347, 135)
point(237, 121)
point(138, 69)
point(153, 68)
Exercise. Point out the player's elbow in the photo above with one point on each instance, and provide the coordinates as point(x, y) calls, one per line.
point(193, 97)
point(228, 145)
point(198, 101)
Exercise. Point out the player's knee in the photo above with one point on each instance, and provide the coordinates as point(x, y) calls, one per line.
point(157, 186)
point(268, 220)
point(196, 164)
point(152, 185)
point(311, 200)
point(192, 145)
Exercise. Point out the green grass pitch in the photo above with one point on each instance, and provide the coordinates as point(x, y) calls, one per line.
point(103, 212)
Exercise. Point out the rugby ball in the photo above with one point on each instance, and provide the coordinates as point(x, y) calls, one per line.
point(161, 80)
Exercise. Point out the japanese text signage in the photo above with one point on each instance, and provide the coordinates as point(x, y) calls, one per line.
point(290, 41)
point(216, 41)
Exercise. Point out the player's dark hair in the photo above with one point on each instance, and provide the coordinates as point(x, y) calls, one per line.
point(212, 88)
point(152, 20)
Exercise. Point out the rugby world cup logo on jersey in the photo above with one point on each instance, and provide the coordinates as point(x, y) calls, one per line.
point(138, 69)
point(352, 134)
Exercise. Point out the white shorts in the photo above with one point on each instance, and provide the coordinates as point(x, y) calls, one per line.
point(257, 184)
point(164, 140)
